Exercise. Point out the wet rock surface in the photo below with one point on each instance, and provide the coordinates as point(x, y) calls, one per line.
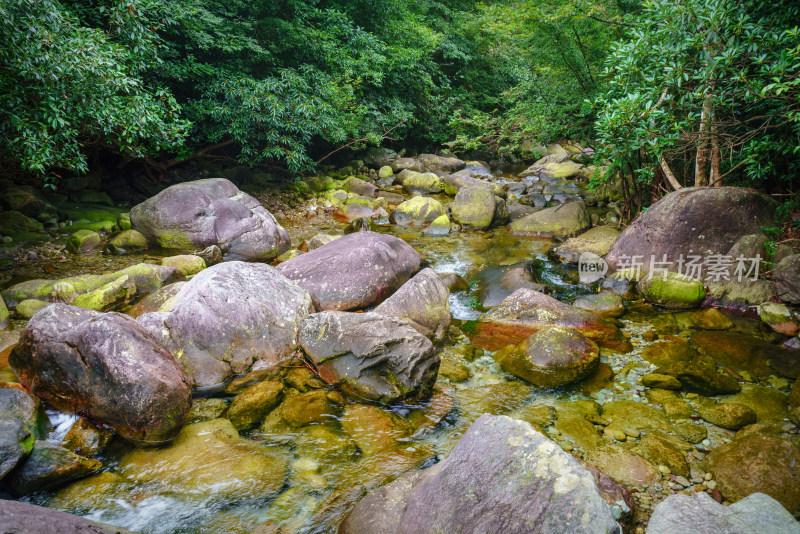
point(106, 366)
point(229, 318)
point(354, 271)
point(499, 465)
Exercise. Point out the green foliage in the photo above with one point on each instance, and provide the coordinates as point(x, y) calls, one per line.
point(547, 58)
point(737, 61)
point(64, 86)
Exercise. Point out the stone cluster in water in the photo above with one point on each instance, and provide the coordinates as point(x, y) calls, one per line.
point(302, 406)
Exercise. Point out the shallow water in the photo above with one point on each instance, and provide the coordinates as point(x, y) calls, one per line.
point(216, 490)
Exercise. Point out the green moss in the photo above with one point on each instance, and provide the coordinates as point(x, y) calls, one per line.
point(672, 290)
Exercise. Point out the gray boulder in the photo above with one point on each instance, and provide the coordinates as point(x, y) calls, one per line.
point(195, 215)
point(229, 318)
point(787, 279)
point(355, 271)
point(502, 476)
point(22, 518)
point(370, 356)
point(106, 366)
point(423, 302)
point(698, 512)
point(693, 221)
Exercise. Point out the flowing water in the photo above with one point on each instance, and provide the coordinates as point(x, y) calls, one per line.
point(296, 481)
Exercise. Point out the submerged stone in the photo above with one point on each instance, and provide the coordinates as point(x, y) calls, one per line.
point(550, 357)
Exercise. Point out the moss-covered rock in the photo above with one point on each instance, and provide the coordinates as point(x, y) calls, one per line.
point(779, 317)
point(597, 240)
point(3, 314)
point(160, 300)
point(127, 241)
point(439, 226)
point(288, 255)
point(187, 264)
point(551, 357)
point(604, 304)
point(558, 222)
point(251, 406)
point(385, 172)
point(477, 207)
point(421, 183)
point(111, 295)
point(708, 319)
point(83, 241)
point(30, 307)
point(417, 211)
point(124, 221)
point(12, 222)
point(48, 466)
point(672, 290)
point(86, 439)
point(210, 457)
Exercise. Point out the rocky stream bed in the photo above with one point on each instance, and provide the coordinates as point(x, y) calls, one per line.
point(618, 395)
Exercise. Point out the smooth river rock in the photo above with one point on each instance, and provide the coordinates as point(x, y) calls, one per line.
point(698, 512)
point(229, 318)
point(423, 302)
point(526, 311)
point(502, 476)
point(195, 215)
point(106, 366)
point(370, 356)
point(355, 271)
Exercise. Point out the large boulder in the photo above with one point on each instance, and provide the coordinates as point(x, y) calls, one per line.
point(420, 183)
point(106, 366)
point(787, 279)
point(478, 207)
point(195, 215)
point(526, 311)
point(694, 221)
point(698, 512)
point(551, 357)
point(230, 318)
point(355, 271)
point(370, 356)
point(423, 302)
point(557, 222)
point(502, 476)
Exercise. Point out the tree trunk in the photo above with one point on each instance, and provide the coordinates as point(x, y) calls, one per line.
point(716, 176)
point(669, 175)
point(703, 153)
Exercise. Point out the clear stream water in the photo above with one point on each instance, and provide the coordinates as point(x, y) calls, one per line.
point(195, 490)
